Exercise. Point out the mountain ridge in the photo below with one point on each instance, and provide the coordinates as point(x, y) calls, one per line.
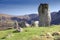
point(55, 16)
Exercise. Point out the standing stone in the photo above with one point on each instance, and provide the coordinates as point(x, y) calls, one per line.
point(44, 15)
point(35, 23)
point(17, 27)
point(22, 24)
point(27, 25)
point(32, 24)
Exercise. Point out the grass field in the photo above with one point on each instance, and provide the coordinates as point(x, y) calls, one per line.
point(27, 33)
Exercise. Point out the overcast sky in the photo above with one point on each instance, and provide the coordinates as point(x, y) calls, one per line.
point(23, 7)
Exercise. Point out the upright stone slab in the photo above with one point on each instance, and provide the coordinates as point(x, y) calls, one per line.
point(44, 15)
point(16, 25)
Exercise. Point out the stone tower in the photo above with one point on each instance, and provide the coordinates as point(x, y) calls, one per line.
point(44, 15)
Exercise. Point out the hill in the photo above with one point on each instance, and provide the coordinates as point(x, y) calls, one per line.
point(28, 33)
point(31, 17)
point(27, 18)
point(55, 17)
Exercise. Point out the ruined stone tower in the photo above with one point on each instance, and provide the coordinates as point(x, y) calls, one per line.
point(44, 15)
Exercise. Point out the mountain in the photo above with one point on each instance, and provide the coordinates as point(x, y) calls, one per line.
point(31, 17)
point(5, 17)
point(27, 18)
point(7, 21)
point(55, 17)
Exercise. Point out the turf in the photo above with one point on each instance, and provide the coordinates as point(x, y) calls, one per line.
point(27, 33)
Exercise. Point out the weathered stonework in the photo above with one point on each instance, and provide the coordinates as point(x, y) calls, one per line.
point(44, 15)
point(17, 27)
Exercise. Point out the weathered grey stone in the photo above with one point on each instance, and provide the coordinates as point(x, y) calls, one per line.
point(35, 23)
point(22, 24)
point(32, 24)
point(46, 36)
point(27, 25)
point(44, 15)
point(49, 35)
point(55, 33)
point(18, 27)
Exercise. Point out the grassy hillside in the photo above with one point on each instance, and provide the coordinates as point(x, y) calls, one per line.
point(28, 33)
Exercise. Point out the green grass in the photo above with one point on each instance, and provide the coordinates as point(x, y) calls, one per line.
point(28, 33)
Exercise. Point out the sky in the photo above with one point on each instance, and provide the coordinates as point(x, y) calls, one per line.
point(24, 7)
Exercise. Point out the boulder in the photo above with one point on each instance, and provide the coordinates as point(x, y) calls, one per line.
point(20, 29)
point(55, 33)
point(48, 35)
point(35, 23)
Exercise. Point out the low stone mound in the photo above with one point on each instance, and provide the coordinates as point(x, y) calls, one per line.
point(55, 33)
point(48, 35)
